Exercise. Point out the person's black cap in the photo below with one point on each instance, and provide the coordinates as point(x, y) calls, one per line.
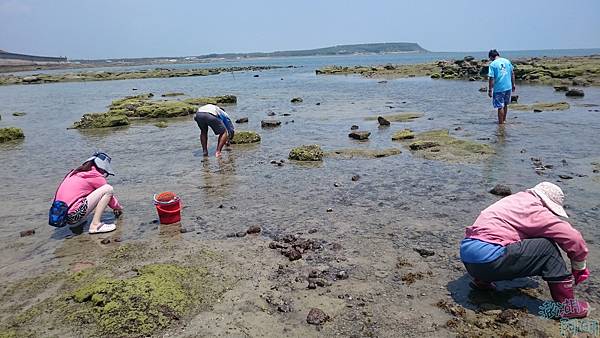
point(493, 53)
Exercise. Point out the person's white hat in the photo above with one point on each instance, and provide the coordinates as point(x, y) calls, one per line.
point(552, 196)
point(102, 161)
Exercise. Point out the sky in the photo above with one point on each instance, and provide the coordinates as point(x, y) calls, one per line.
point(86, 29)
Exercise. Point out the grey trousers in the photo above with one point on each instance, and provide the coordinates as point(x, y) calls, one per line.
point(529, 257)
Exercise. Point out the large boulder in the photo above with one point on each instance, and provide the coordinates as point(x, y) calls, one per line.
point(9, 134)
point(359, 135)
point(307, 153)
point(244, 137)
point(270, 123)
point(101, 120)
point(575, 93)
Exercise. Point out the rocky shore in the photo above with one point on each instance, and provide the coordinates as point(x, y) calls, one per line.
point(576, 71)
point(125, 75)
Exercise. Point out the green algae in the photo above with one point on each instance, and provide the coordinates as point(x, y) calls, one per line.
point(161, 124)
point(540, 106)
point(101, 120)
point(403, 134)
point(401, 117)
point(217, 100)
point(439, 145)
point(10, 134)
point(124, 75)
point(243, 137)
point(386, 71)
point(364, 153)
point(307, 153)
point(159, 295)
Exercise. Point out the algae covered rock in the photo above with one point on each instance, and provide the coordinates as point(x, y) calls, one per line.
point(439, 145)
point(9, 134)
point(158, 296)
point(217, 100)
point(364, 153)
point(307, 153)
point(402, 117)
point(244, 137)
point(543, 106)
point(161, 124)
point(101, 120)
point(403, 134)
point(575, 93)
point(359, 135)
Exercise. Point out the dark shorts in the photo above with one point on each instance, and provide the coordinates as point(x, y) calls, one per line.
point(206, 120)
point(77, 215)
point(501, 99)
point(529, 257)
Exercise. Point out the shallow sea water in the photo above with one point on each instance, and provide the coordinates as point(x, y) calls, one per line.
point(293, 197)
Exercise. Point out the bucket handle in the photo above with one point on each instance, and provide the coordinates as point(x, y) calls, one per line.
point(156, 202)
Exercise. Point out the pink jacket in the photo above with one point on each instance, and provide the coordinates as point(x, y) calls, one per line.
point(76, 187)
point(522, 216)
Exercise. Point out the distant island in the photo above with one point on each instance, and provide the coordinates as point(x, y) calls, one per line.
point(364, 48)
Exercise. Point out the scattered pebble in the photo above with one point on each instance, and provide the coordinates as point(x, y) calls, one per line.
point(424, 252)
point(240, 234)
point(329, 209)
point(105, 241)
point(184, 230)
point(253, 229)
point(312, 231)
point(341, 275)
point(316, 317)
point(26, 233)
point(565, 177)
point(501, 190)
point(355, 178)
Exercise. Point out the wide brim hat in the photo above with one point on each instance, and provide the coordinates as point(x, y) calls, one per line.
point(552, 196)
point(102, 161)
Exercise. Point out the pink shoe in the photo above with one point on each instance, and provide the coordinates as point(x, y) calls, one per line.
point(562, 292)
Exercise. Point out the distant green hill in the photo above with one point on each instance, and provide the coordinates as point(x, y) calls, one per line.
point(365, 48)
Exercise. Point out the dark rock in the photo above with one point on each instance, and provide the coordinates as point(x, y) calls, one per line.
point(565, 177)
point(469, 58)
point(420, 145)
point(383, 81)
point(256, 75)
point(242, 120)
point(117, 239)
point(458, 128)
point(501, 190)
point(483, 89)
point(424, 252)
point(271, 113)
point(355, 178)
point(253, 229)
point(322, 282)
point(286, 114)
point(360, 135)
point(561, 88)
point(26, 233)
point(341, 275)
point(312, 285)
point(318, 104)
point(316, 317)
point(382, 121)
point(296, 100)
point(329, 209)
point(270, 123)
point(230, 235)
point(285, 308)
point(312, 231)
point(514, 98)
point(354, 127)
point(154, 221)
point(183, 230)
point(105, 241)
point(575, 93)
point(336, 184)
point(537, 110)
point(221, 206)
point(314, 274)
point(293, 254)
point(240, 234)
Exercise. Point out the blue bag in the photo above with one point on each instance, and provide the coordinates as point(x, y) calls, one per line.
point(227, 122)
point(57, 215)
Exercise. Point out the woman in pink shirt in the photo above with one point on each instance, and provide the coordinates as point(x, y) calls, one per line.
point(85, 189)
point(519, 236)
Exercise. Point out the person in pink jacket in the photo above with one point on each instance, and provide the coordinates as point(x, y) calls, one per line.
point(519, 236)
point(85, 189)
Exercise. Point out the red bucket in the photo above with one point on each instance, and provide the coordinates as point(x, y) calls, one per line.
point(168, 206)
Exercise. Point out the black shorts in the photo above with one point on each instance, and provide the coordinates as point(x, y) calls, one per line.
point(206, 120)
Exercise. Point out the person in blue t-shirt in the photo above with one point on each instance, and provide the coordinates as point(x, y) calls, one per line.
point(501, 83)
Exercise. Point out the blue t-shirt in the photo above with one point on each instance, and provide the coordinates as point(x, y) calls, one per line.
point(501, 70)
point(475, 251)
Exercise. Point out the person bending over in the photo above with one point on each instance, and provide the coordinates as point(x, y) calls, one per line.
point(217, 119)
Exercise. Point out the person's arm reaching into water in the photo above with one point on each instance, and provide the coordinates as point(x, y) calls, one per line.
point(512, 77)
point(490, 80)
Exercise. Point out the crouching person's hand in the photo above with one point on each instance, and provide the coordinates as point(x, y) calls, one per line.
point(580, 271)
point(118, 212)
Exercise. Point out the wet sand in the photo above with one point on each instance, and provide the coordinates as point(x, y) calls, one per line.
point(400, 203)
